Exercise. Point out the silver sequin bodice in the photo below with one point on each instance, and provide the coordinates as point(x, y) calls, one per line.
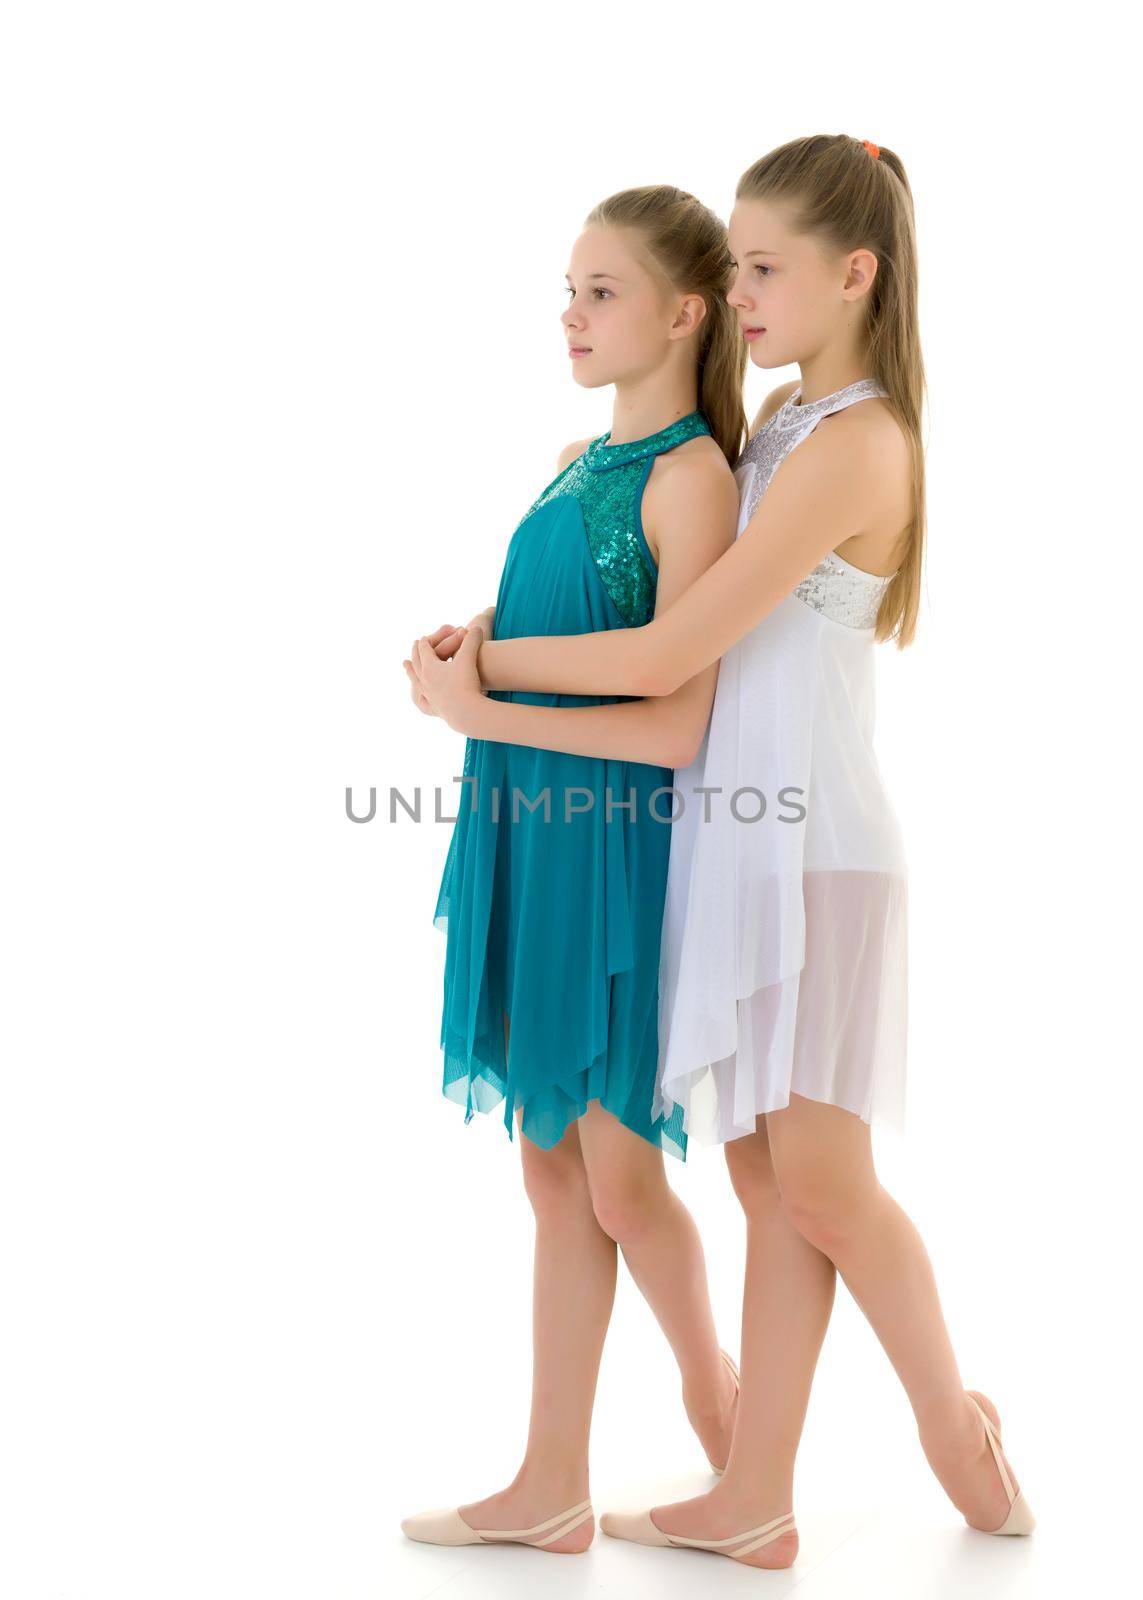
point(836, 588)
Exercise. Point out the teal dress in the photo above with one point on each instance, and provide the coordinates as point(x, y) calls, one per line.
point(553, 889)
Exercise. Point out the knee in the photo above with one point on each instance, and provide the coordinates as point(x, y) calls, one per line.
point(824, 1213)
point(752, 1175)
point(626, 1207)
point(556, 1185)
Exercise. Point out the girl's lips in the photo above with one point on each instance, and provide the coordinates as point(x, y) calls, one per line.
point(578, 350)
point(752, 333)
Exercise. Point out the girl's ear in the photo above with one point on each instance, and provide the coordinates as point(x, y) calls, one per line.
point(860, 274)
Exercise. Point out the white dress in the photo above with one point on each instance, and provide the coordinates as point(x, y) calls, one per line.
point(784, 932)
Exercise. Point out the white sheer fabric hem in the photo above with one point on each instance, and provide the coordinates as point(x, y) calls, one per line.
point(835, 1030)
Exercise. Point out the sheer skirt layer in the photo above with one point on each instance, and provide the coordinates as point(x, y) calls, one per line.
point(545, 926)
point(833, 1030)
point(785, 936)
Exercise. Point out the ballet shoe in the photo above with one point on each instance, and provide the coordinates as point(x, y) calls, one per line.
point(638, 1527)
point(449, 1527)
point(718, 1471)
point(1019, 1518)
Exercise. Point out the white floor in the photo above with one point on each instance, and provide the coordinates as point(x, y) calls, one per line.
point(840, 1555)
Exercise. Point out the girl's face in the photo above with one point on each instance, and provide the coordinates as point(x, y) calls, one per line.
point(793, 296)
point(618, 319)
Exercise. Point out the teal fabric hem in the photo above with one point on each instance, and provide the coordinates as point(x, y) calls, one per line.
point(483, 1089)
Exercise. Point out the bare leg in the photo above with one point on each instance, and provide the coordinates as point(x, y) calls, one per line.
point(787, 1302)
point(574, 1275)
point(824, 1163)
point(636, 1206)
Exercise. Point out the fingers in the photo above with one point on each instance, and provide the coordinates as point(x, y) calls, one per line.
point(445, 641)
point(417, 692)
point(443, 648)
point(423, 647)
point(413, 676)
point(450, 644)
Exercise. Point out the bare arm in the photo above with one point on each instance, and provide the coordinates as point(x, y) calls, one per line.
point(823, 494)
point(637, 730)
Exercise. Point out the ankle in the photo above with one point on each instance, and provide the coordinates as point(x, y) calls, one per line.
point(753, 1500)
point(706, 1410)
point(712, 1401)
point(553, 1480)
point(954, 1433)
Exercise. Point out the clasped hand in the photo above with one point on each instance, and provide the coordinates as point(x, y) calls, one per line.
point(442, 671)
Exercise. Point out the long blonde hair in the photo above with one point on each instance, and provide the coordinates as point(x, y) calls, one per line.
point(687, 246)
point(841, 192)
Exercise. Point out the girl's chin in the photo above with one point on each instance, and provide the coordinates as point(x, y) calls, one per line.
point(588, 380)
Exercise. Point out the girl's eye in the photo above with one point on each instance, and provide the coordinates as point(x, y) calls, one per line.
point(599, 289)
point(761, 267)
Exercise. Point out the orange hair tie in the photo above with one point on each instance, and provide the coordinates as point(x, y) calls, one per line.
point(873, 149)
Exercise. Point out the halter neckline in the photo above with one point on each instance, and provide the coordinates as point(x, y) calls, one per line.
point(600, 455)
point(792, 408)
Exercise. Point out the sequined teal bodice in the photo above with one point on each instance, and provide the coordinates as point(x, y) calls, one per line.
point(608, 481)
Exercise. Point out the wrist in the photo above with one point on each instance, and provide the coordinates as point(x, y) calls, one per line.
point(484, 664)
point(469, 716)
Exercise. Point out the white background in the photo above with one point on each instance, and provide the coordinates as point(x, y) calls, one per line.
point(281, 369)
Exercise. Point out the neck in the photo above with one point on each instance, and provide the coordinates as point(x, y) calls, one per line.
point(649, 404)
point(831, 370)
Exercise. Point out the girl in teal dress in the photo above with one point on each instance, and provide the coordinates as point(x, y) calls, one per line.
point(553, 889)
point(554, 914)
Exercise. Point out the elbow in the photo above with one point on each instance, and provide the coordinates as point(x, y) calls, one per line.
point(685, 754)
point(687, 744)
point(669, 746)
point(657, 680)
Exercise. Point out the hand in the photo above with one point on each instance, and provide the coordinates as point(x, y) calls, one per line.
point(450, 689)
point(446, 639)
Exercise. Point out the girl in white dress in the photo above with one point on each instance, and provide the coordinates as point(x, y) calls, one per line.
point(784, 935)
point(783, 970)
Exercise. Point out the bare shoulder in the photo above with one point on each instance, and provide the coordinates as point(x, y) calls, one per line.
point(695, 468)
point(777, 397)
point(871, 441)
point(691, 482)
point(698, 460)
point(570, 452)
point(872, 429)
point(868, 450)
